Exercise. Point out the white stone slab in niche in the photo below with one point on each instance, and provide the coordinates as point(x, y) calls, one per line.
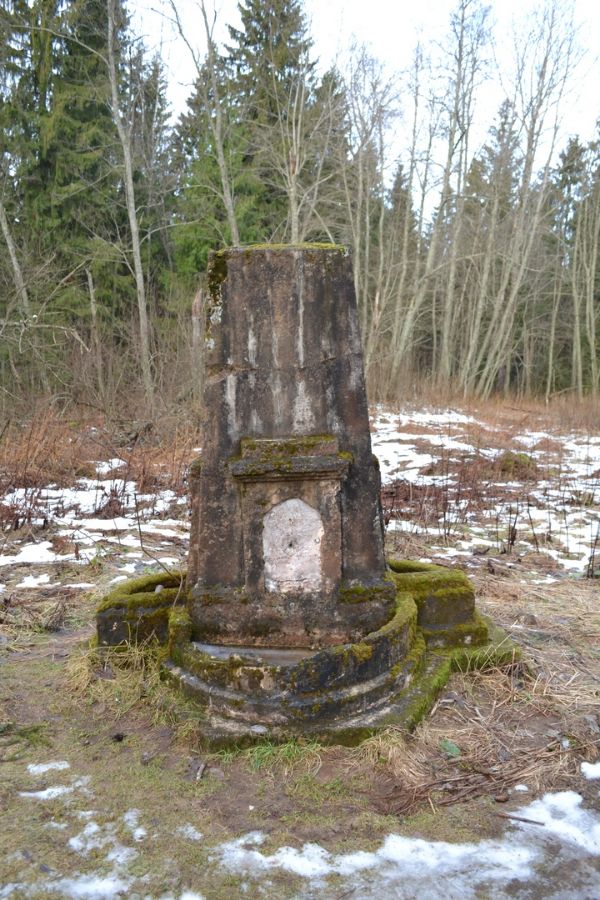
point(292, 536)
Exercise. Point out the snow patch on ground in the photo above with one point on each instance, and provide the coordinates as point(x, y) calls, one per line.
point(59, 790)
point(591, 771)
point(467, 869)
point(50, 793)
point(106, 466)
point(33, 581)
point(95, 887)
point(130, 819)
point(188, 831)
point(42, 768)
point(31, 553)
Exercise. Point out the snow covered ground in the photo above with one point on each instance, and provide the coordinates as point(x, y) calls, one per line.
point(148, 530)
point(557, 513)
point(546, 839)
point(555, 510)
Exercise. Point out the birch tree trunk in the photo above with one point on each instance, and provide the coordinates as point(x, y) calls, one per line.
point(123, 128)
point(95, 335)
point(22, 294)
point(20, 286)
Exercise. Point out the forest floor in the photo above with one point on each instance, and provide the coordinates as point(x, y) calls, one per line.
point(104, 788)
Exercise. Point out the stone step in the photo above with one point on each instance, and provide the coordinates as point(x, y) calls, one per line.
point(243, 701)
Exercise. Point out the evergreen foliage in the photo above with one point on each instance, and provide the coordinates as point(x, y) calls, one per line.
point(108, 209)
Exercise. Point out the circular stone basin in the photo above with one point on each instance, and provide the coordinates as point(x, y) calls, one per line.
point(260, 685)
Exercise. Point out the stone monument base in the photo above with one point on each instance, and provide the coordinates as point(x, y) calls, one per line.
point(339, 694)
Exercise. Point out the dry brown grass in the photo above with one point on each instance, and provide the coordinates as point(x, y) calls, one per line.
point(49, 450)
point(37, 610)
point(44, 449)
point(558, 626)
point(563, 413)
point(488, 733)
point(115, 678)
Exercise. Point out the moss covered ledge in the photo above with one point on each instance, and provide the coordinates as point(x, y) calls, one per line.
point(341, 695)
point(445, 597)
point(138, 609)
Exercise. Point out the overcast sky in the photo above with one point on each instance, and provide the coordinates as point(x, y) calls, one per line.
point(391, 29)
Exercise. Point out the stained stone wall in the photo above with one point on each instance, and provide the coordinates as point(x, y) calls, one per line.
point(286, 545)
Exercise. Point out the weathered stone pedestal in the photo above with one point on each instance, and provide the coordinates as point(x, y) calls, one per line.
point(286, 526)
point(289, 621)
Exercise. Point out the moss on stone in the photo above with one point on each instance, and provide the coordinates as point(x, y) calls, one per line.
point(217, 273)
point(409, 565)
point(336, 248)
point(361, 652)
point(180, 626)
point(412, 661)
point(288, 456)
point(135, 610)
point(355, 592)
point(292, 446)
point(423, 691)
point(444, 597)
point(142, 591)
point(472, 632)
point(428, 579)
point(406, 612)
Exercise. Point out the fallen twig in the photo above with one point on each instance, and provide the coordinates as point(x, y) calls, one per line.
point(503, 815)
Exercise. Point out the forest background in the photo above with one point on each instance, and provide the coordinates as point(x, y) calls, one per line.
point(476, 266)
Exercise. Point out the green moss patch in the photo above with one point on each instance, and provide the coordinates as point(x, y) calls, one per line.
point(336, 248)
point(351, 592)
point(465, 634)
point(138, 609)
point(142, 591)
point(445, 597)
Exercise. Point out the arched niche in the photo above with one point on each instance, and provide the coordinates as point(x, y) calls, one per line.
point(292, 537)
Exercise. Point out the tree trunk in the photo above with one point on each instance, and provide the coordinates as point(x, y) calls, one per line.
point(95, 334)
point(124, 133)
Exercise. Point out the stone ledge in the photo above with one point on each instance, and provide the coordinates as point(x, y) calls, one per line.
point(403, 709)
point(138, 609)
point(444, 597)
point(295, 682)
point(293, 467)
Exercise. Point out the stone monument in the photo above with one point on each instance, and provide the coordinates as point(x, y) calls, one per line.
point(289, 619)
point(286, 528)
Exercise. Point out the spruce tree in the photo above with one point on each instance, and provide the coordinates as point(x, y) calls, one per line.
point(266, 54)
